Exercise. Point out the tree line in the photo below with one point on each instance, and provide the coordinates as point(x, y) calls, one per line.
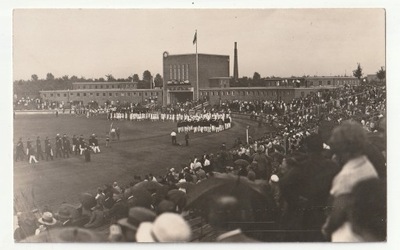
point(32, 86)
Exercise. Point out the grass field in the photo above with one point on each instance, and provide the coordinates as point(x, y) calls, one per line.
point(145, 147)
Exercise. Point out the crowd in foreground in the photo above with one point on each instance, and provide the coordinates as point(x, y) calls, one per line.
point(317, 184)
point(318, 195)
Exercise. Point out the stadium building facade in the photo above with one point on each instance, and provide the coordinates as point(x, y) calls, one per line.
point(186, 80)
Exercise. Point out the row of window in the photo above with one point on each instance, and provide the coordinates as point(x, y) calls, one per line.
point(179, 72)
point(243, 93)
point(119, 86)
point(105, 94)
point(338, 82)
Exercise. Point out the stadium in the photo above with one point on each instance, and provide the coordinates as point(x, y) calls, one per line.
point(289, 160)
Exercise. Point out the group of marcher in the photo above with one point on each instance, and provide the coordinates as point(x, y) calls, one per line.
point(63, 148)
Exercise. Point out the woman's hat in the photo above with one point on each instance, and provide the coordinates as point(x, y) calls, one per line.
point(161, 231)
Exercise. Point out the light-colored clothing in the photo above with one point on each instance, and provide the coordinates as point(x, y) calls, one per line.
point(354, 171)
point(345, 234)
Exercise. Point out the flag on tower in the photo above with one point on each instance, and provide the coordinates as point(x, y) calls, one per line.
point(195, 38)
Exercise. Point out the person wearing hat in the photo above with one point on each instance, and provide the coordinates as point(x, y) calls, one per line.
point(75, 145)
point(87, 153)
point(225, 216)
point(59, 146)
point(187, 139)
point(47, 221)
point(119, 209)
point(264, 167)
point(39, 150)
point(47, 149)
point(173, 137)
point(32, 154)
point(95, 144)
point(136, 216)
point(20, 150)
point(96, 218)
point(160, 230)
point(66, 146)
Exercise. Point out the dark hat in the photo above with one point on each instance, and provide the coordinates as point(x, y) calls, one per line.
point(136, 216)
point(63, 214)
point(166, 206)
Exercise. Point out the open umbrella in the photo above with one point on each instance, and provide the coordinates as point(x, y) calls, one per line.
point(87, 200)
point(138, 197)
point(151, 186)
point(241, 163)
point(227, 184)
point(177, 196)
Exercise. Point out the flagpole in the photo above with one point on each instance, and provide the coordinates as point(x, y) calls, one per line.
point(197, 71)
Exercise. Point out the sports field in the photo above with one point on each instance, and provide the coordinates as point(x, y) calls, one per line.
point(145, 147)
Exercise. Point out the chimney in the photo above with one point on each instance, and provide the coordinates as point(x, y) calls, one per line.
point(235, 64)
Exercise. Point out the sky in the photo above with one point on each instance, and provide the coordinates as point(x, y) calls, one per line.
point(279, 42)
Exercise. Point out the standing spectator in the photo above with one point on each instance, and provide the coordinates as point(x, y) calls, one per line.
point(48, 150)
point(75, 144)
point(28, 145)
point(118, 132)
point(59, 146)
point(187, 139)
point(66, 146)
point(39, 151)
point(82, 146)
point(20, 154)
point(87, 153)
point(95, 144)
point(173, 137)
point(264, 167)
point(32, 155)
point(107, 140)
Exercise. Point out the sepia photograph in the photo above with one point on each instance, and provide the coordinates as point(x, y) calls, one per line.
point(259, 125)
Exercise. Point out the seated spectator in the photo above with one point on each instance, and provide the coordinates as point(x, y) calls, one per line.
point(166, 206)
point(47, 222)
point(96, 218)
point(224, 215)
point(119, 210)
point(161, 229)
point(69, 215)
point(26, 226)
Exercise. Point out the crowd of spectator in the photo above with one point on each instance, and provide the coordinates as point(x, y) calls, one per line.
point(322, 167)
